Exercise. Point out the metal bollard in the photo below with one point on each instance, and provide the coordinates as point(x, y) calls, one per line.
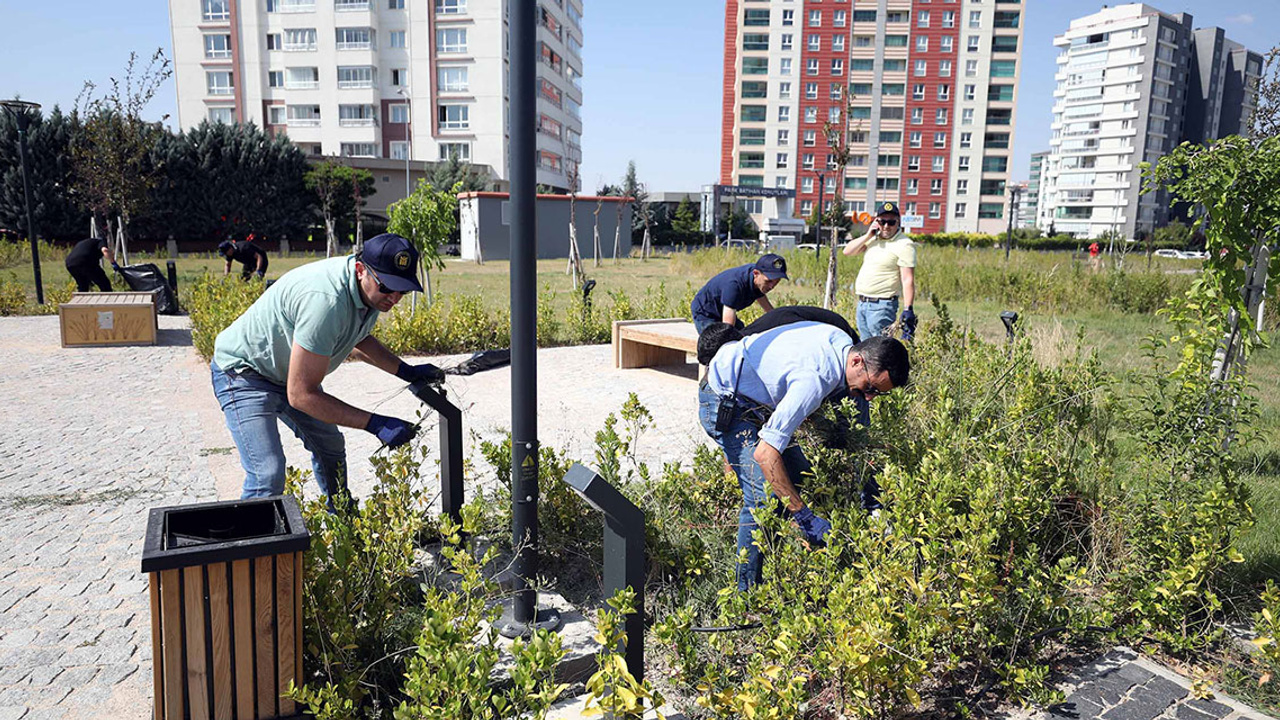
point(451, 493)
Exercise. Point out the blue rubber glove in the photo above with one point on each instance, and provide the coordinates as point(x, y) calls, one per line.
point(414, 373)
point(909, 322)
point(115, 266)
point(813, 528)
point(393, 432)
point(261, 275)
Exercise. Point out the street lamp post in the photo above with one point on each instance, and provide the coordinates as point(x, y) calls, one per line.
point(1013, 209)
point(817, 233)
point(408, 136)
point(18, 110)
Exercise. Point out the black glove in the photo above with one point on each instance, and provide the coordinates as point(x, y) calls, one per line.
point(813, 528)
point(414, 373)
point(393, 432)
point(909, 322)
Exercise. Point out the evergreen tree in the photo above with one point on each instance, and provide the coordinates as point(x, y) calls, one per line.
point(686, 219)
point(53, 207)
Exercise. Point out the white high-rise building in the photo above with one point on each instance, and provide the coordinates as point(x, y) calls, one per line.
point(379, 78)
point(1132, 83)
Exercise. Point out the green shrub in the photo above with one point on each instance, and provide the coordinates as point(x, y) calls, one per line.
point(214, 302)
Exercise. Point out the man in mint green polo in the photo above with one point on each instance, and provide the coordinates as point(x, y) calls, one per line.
point(269, 363)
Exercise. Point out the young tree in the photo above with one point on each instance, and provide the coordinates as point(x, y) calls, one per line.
point(686, 219)
point(837, 135)
point(575, 255)
point(456, 173)
point(426, 218)
point(333, 185)
point(641, 221)
point(595, 231)
point(616, 191)
point(112, 153)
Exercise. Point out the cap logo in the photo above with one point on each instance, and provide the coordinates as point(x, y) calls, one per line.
point(777, 264)
point(402, 260)
point(888, 206)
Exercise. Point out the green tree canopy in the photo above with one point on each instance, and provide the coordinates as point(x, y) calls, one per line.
point(53, 207)
point(427, 218)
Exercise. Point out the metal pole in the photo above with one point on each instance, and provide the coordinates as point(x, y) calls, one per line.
point(1013, 208)
point(18, 109)
point(522, 617)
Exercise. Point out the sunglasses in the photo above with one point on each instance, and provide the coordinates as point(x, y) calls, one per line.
point(381, 288)
point(890, 222)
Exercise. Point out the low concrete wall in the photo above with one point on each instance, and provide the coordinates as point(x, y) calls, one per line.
point(486, 225)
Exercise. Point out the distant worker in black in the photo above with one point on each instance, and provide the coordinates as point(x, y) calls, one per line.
point(84, 262)
point(735, 289)
point(250, 256)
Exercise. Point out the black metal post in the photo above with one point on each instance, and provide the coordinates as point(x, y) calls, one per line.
point(172, 268)
point(623, 552)
point(1013, 209)
point(817, 233)
point(451, 492)
point(19, 109)
point(522, 617)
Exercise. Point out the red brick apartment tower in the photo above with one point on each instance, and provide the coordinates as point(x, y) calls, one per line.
point(931, 83)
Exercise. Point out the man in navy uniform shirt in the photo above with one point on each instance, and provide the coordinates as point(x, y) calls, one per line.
point(735, 289)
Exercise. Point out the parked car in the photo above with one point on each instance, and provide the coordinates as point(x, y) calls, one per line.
point(1182, 254)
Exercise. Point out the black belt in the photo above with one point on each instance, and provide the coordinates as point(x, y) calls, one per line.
point(864, 298)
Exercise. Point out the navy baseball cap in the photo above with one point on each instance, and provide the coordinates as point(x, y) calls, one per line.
point(394, 260)
point(888, 208)
point(772, 266)
point(224, 246)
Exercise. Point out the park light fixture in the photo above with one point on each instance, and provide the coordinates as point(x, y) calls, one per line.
point(20, 111)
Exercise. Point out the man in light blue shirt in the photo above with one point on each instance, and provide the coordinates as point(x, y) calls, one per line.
point(269, 363)
point(759, 389)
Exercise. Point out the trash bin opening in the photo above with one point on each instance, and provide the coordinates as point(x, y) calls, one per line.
point(185, 528)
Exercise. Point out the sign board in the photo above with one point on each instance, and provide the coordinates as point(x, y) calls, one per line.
point(912, 221)
point(752, 191)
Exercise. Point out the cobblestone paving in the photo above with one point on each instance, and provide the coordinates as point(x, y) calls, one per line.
point(89, 439)
point(1123, 686)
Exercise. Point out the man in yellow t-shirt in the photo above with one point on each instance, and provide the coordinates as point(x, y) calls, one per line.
point(888, 273)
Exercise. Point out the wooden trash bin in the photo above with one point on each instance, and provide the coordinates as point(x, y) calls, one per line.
point(111, 318)
point(226, 608)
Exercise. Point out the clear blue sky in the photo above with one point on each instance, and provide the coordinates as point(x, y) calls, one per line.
point(652, 71)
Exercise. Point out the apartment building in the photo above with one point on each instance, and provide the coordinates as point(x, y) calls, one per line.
point(922, 91)
point(379, 78)
point(1132, 83)
point(1030, 202)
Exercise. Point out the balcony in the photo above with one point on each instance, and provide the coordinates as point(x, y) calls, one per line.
point(303, 122)
point(296, 6)
point(355, 45)
point(350, 5)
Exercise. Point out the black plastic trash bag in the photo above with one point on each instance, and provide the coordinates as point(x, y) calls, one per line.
point(481, 361)
point(147, 277)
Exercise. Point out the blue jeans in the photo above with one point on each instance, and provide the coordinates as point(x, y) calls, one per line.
point(739, 444)
point(252, 404)
point(875, 316)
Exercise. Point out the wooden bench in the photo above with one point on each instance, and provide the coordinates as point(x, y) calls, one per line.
point(112, 318)
point(649, 343)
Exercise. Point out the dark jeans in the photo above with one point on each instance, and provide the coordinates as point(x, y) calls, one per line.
point(86, 276)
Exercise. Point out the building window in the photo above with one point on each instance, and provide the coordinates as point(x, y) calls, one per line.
point(462, 151)
point(755, 66)
point(782, 160)
point(962, 187)
point(837, 67)
point(303, 115)
point(971, 68)
point(399, 39)
point(787, 40)
point(922, 20)
point(400, 114)
point(784, 113)
point(784, 137)
point(913, 186)
point(833, 114)
point(784, 66)
point(970, 91)
point(815, 18)
point(276, 115)
point(451, 40)
point(939, 164)
point(941, 117)
point(754, 113)
point(217, 46)
point(838, 19)
point(911, 208)
point(811, 114)
point(275, 41)
point(944, 68)
point(944, 92)
point(990, 211)
point(961, 209)
point(917, 91)
point(949, 19)
point(359, 150)
point(302, 78)
point(921, 68)
point(451, 7)
point(916, 139)
point(962, 165)
point(947, 43)
point(784, 91)
point(453, 78)
point(837, 91)
point(974, 43)
point(399, 150)
point(966, 116)
point(810, 138)
point(219, 82)
point(300, 39)
point(355, 77)
point(975, 19)
point(747, 136)
point(341, 5)
point(917, 116)
point(922, 43)
point(275, 78)
point(788, 18)
point(806, 185)
point(814, 43)
point(935, 210)
point(355, 38)
point(913, 163)
point(940, 140)
point(837, 43)
point(223, 115)
point(356, 116)
point(395, 4)
point(966, 140)
point(755, 41)
point(399, 77)
point(935, 186)
point(807, 161)
point(751, 161)
point(454, 117)
point(813, 67)
point(806, 206)
point(214, 10)
point(756, 18)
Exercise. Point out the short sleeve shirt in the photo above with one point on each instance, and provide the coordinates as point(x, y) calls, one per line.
point(86, 253)
point(791, 369)
point(732, 288)
point(880, 276)
point(318, 306)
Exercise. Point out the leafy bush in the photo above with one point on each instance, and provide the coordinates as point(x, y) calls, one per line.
point(14, 299)
point(214, 302)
